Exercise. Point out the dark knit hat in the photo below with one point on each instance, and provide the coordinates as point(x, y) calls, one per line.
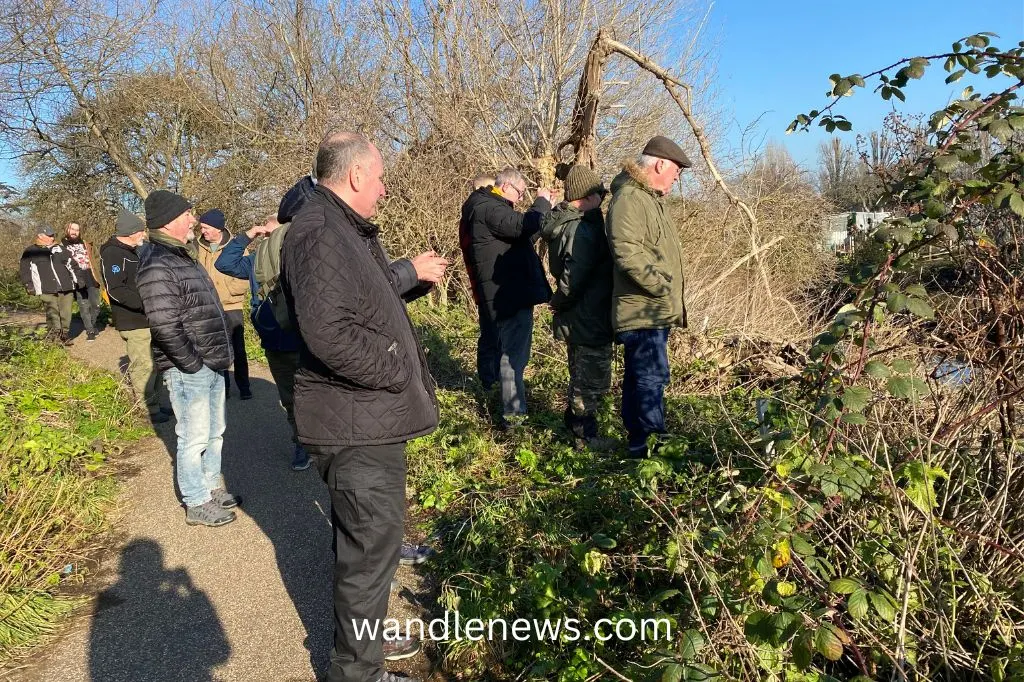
point(162, 207)
point(214, 218)
point(664, 148)
point(294, 199)
point(581, 182)
point(46, 229)
point(128, 224)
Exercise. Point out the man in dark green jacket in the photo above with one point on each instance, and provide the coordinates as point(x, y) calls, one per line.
point(581, 264)
point(648, 284)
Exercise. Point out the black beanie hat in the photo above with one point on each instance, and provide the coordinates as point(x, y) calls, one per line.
point(162, 207)
point(214, 218)
point(294, 199)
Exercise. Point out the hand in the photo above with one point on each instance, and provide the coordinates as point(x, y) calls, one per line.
point(544, 193)
point(429, 267)
point(262, 230)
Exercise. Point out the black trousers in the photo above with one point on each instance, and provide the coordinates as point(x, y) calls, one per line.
point(367, 486)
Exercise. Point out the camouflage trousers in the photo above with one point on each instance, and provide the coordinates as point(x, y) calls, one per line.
point(590, 377)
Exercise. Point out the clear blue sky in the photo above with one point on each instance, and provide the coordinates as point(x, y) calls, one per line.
point(774, 58)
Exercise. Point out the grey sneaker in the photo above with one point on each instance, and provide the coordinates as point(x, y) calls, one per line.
point(413, 555)
point(225, 499)
point(208, 514)
point(401, 648)
point(397, 677)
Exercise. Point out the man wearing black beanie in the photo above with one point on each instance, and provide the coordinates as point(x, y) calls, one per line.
point(191, 346)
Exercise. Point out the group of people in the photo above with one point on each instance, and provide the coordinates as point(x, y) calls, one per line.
point(61, 272)
point(329, 306)
point(616, 280)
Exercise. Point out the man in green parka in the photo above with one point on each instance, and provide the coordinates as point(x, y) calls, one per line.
point(648, 284)
point(581, 264)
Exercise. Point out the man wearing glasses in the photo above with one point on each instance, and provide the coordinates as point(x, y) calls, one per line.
point(507, 280)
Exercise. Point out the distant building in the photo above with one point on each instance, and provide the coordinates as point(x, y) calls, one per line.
point(842, 229)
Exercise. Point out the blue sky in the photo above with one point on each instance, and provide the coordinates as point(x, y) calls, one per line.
point(774, 58)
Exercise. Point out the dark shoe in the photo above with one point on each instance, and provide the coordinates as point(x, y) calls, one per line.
point(91, 336)
point(413, 555)
point(225, 499)
point(300, 460)
point(159, 417)
point(397, 677)
point(245, 393)
point(208, 514)
point(401, 648)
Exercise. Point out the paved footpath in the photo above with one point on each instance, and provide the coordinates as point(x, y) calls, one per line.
point(250, 601)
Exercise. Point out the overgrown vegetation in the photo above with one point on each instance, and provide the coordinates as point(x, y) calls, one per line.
point(858, 521)
point(60, 423)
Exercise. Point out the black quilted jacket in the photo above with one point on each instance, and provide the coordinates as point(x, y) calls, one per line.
point(186, 319)
point(363, 377)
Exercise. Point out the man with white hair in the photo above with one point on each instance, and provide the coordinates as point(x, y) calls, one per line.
point(362, 390)
point(507, 279)
point(647, 290)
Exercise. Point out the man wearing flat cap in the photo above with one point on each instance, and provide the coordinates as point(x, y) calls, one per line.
point(647, 298)
point(47, 272)
point(191, 346)
point(214, 236)
point(119, 264)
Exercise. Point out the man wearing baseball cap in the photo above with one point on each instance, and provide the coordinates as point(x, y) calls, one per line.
point(647, 292)
point(46, 272)
point(191, 346)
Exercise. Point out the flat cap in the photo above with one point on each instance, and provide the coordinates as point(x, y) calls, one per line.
point(664, 148)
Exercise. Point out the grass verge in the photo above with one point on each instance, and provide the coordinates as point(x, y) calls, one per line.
point(60, 422)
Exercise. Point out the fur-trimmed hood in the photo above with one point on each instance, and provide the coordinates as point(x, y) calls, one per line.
point(631, 172)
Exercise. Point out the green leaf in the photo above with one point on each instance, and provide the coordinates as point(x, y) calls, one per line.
point(801, 546)
point(877, 369)
point(857, 604)
point(896, 303)
point(854, 418)
point(920, 308)
point(906, 387)
point(855, 398)
point(901, 366)
point(663, 595)
point(603, 541)
point(917, 290)
point(955, 76)
point(1017, 203)
point(673, 672)
point(827, 643)
point(691, 644)
point(785, 588)
point(803, 650)
point(947, 162)
point(883, 606)
point(844, 586)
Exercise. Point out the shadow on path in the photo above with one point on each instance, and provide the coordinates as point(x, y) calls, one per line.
point(154, 624)
point(291, 508)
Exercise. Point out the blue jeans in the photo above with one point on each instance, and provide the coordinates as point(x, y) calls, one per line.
point(198, 404)
point(502, 354)
point(643, 384)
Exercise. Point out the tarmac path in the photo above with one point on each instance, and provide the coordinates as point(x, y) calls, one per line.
point(169, 602)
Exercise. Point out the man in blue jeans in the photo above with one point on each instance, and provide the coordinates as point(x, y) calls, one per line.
point(507, 279)
point(191, 346)
point(647, 286)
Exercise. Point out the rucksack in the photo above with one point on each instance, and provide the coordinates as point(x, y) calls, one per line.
point(268, 277)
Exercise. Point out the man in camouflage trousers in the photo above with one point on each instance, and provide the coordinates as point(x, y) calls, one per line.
point(581, 263)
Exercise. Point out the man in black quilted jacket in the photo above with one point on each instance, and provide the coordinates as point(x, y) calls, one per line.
point(362, 389)
point(191, 346)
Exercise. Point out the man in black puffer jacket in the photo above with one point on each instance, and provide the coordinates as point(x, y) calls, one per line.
point(191, 346)
point(507, 279)
point(362, 389)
